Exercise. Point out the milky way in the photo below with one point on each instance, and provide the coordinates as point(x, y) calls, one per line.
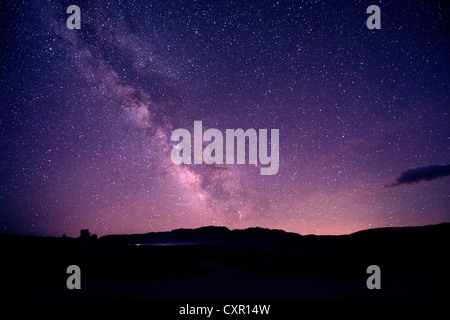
point(87, 115)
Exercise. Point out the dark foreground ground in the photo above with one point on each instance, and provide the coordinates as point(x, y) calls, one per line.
point(231, 265)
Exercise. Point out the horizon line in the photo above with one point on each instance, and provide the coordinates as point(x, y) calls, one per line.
point(222, 226)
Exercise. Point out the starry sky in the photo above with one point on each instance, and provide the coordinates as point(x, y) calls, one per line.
point(87, 115)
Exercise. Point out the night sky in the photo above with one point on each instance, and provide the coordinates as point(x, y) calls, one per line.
point(87, 115)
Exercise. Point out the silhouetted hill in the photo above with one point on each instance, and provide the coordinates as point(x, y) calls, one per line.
point(205, 235)
point(218, 263)
point(437, 235)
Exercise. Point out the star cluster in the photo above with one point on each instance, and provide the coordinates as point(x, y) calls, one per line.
point(87, 114)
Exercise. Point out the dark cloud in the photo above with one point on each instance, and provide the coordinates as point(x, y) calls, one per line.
point(416, 175)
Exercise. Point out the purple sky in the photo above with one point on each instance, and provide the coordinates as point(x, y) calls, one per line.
point(87, 115)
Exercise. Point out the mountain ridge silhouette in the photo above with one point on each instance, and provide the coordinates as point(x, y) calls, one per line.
point(220, 263)
point(266, 236)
